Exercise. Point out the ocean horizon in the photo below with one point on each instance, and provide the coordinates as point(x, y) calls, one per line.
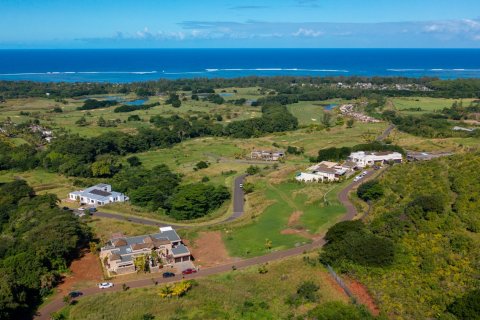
point(132, 65)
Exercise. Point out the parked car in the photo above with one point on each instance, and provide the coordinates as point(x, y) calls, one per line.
point(241, 185)
point(105, 285)
point(168, 274)
point(81, 209)
point(75, 294)
point(189, 271)
point(364, 173)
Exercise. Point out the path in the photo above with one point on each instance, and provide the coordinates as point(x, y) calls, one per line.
point(238, 203)
point(45, 312)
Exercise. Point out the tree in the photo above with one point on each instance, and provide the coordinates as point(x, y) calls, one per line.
point(371, 190)
point(350, 123)
point(105, 166)
point(196, 200)
point(134, 161)
point(101, 122)
point(82, 122)
point(253, 170)
point(326, 119)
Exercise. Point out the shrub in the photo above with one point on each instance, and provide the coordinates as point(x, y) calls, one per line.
point(466, 307)
point(338, 310)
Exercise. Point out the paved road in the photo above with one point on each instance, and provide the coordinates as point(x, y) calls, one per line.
point(238, 201)
point(57, 304)
point(386, 133)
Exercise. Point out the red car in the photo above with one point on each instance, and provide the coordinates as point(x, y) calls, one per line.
point(189, 271)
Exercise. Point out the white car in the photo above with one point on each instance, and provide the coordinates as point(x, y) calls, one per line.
point(365, 172)
point(241, 185)
point(105, 285)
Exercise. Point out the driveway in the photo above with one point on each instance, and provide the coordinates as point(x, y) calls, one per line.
point(238, 202)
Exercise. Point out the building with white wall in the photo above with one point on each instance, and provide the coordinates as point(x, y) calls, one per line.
point(366, 158)
point(98, 195)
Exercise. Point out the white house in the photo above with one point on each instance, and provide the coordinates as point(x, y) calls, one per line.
point(325, 171)
point(364, 159)
point(98, 195)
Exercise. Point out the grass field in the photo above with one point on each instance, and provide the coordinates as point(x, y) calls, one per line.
point(291, 214)
point(310, 112)
point(41, 109)
point(403, 104)
point(241, 294)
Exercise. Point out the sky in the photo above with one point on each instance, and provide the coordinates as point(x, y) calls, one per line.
point(239, 24)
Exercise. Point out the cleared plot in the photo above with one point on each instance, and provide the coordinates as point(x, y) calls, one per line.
point(104, 228)
point(241, 294)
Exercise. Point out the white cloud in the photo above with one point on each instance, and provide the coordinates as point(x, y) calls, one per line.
point(309, 33)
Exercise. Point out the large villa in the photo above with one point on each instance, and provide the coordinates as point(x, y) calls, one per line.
point(159, 250)
point(97, 195)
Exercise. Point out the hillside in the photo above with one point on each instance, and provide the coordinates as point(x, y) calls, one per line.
point(430, 212)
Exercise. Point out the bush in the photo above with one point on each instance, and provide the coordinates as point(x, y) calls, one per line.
point(351, 241)
point(339, 230)
point(201, 165)
point(338, 310)
point(422, 205)
point(371, 190)
point(466, 307)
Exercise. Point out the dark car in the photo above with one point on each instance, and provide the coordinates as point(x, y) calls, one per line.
point(189, 271)
point(168, 274)
point(75, 294)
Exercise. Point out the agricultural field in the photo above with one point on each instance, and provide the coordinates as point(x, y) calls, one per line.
point(240, 294)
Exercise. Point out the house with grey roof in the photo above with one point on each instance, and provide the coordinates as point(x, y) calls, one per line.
point(156, 251)
point(98, 195)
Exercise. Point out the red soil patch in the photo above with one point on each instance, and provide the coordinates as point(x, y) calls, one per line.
point(294, 218)
point(328, 278)
point(363, 296)
point(83, 270)
point(209, 250)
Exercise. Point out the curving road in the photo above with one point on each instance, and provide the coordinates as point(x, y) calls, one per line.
point(45, 312)
point(238, 202)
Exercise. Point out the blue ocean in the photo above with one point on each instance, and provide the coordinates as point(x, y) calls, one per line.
point(132, 65)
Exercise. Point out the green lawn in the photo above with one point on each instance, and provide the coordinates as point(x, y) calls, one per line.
point(285, 198)
point(241, 294)
point(310, 112)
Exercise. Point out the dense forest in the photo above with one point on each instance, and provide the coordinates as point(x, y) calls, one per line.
point(301, 88)
point(38, 240)
point(419, 249)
